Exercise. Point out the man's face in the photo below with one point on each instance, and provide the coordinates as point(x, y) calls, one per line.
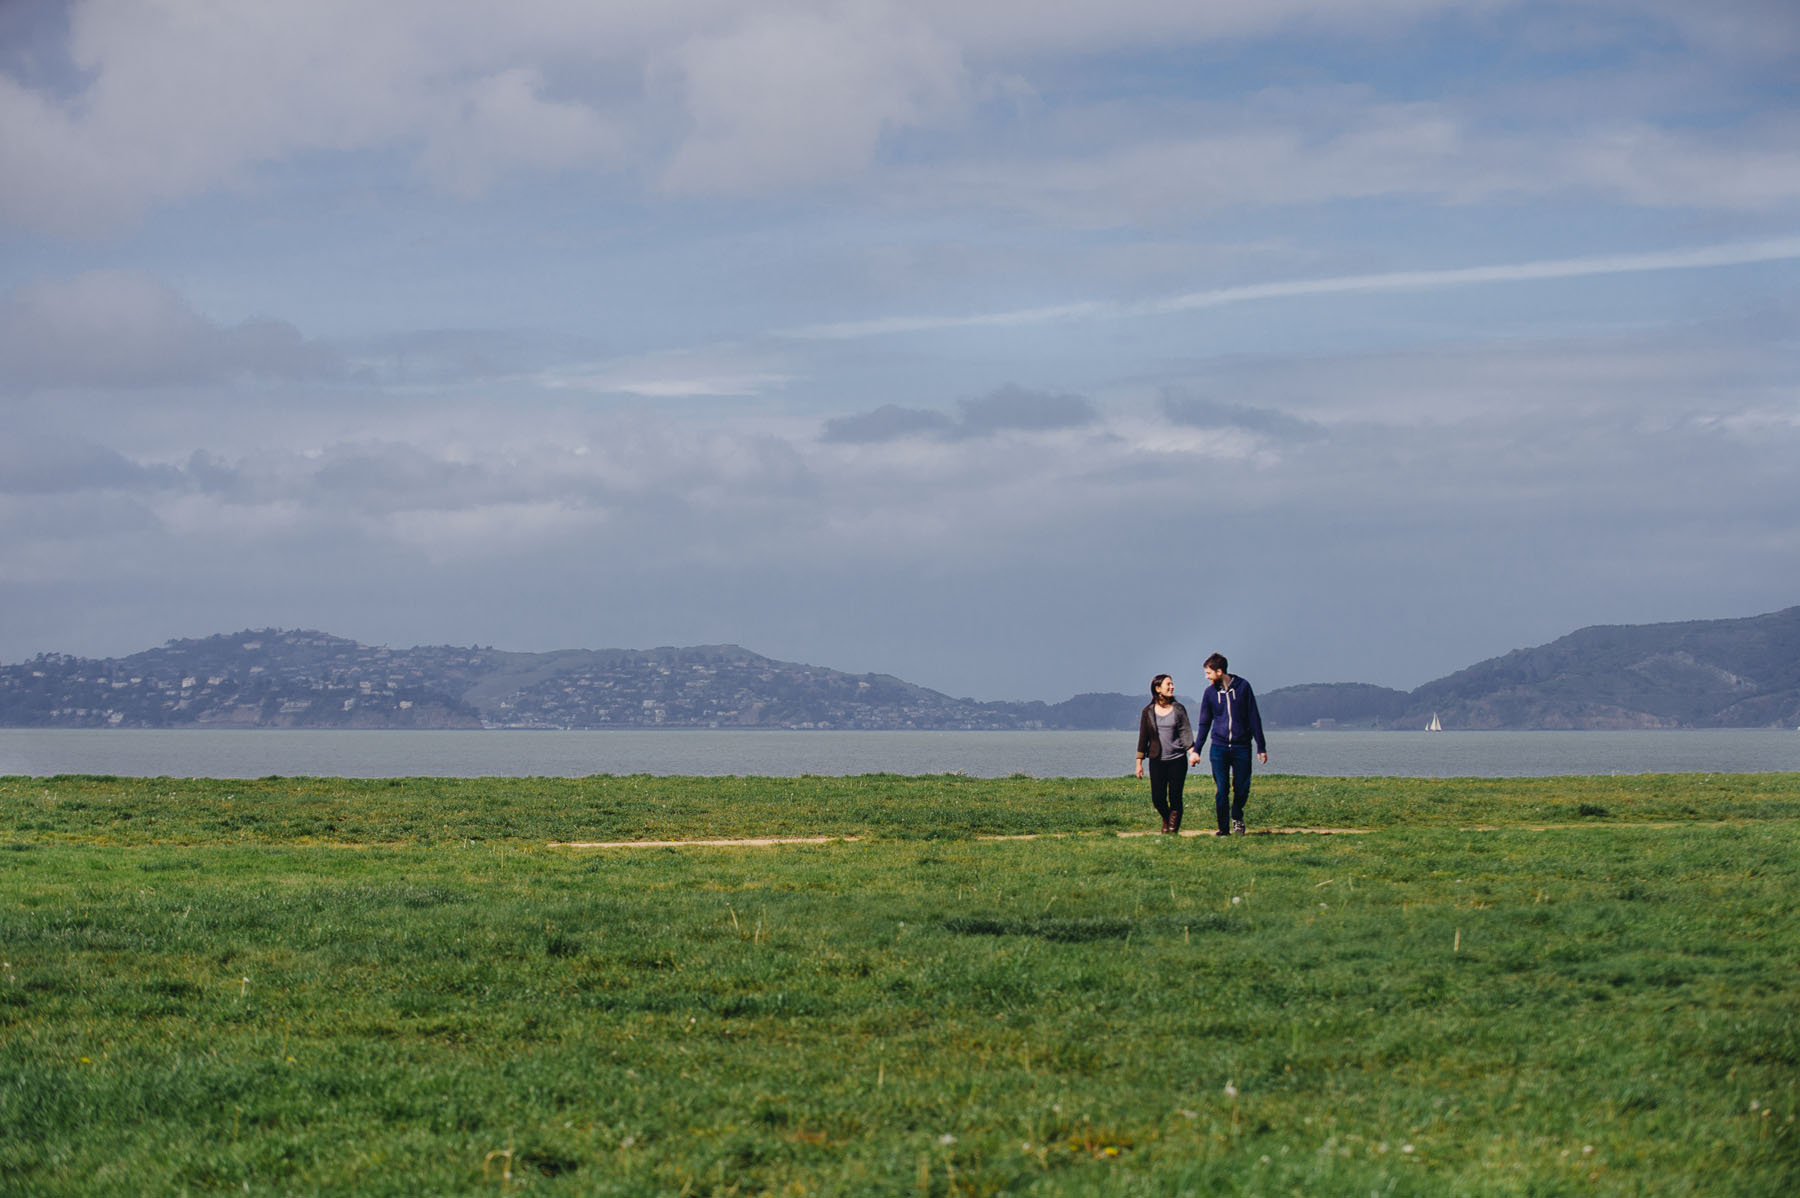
point(1214, 677)
point(1165, 690)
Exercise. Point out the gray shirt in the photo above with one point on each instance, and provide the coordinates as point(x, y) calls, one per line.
point(1165, 731)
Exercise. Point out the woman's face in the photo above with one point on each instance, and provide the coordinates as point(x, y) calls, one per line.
point(1165, 690)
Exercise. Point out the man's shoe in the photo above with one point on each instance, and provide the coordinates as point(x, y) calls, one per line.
point(1237, 826)
point(1221, 832)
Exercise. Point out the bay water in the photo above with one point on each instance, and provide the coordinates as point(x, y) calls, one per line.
point(197, 753)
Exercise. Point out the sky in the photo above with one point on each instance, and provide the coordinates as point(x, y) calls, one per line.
point(1018, 348)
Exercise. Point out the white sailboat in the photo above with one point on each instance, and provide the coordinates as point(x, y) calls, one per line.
point(1434, 726)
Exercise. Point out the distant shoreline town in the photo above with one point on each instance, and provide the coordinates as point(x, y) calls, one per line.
point(1741, 673)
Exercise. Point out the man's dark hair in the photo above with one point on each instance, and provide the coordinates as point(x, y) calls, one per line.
point(1156, 682)
point(1216, 662)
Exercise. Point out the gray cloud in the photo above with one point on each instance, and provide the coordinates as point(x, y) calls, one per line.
point(1014, 407)
point(42, 465)
point(889, 422)
point(1008, 409)
point(1199, 411)
point(385, 477)
point(211, 474)
point(125, 329)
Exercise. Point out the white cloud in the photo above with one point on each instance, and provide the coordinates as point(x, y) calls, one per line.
point(714, 373)
point(181, 97)
point(173, 99)
point(504, 122)
point(1781, 249)
point(794, 96)
point(1753, 171)
point(849, 330)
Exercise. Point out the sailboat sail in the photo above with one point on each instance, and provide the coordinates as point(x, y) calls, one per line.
point(1434, 726)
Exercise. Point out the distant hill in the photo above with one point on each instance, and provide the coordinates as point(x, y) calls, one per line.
point(1333, 705)
point(266, 679)
point(1742, 673)
point(1703, 674)
point(275, 678)
point(1096, 710)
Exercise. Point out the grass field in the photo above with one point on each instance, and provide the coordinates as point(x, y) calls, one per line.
point(1538, 986)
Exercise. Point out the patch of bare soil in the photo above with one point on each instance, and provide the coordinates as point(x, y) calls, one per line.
point(1191, 832)
point(733, 843)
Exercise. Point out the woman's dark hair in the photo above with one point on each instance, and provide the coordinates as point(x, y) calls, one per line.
point(1156, 682)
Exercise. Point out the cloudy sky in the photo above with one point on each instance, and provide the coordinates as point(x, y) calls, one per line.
point(1016, 347)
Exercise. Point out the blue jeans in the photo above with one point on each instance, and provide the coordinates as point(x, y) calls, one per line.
point(1231, 777)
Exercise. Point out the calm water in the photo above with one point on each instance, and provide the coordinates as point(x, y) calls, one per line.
point(255, 754)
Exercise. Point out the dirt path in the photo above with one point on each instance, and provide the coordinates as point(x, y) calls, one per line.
point(764, 841)
point(752, 842)
point(1191, 832)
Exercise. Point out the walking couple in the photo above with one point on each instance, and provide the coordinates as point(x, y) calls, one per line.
point(1169, 743)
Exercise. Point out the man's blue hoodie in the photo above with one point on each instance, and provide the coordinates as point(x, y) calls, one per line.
point(1230, 713)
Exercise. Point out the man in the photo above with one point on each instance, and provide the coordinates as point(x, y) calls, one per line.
point(1228, 710)
point(1165, 738)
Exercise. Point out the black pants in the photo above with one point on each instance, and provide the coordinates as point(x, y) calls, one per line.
point(1166, 780)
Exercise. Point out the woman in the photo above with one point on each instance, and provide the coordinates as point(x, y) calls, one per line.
point(1164, 738)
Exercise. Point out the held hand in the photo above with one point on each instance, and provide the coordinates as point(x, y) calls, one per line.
point(1263, 757)
point(1193, 757)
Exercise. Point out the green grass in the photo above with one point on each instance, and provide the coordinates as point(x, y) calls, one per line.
point(426, 811)
point(326, 985)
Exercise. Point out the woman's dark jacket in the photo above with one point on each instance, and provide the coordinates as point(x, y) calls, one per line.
point(1150, 744)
